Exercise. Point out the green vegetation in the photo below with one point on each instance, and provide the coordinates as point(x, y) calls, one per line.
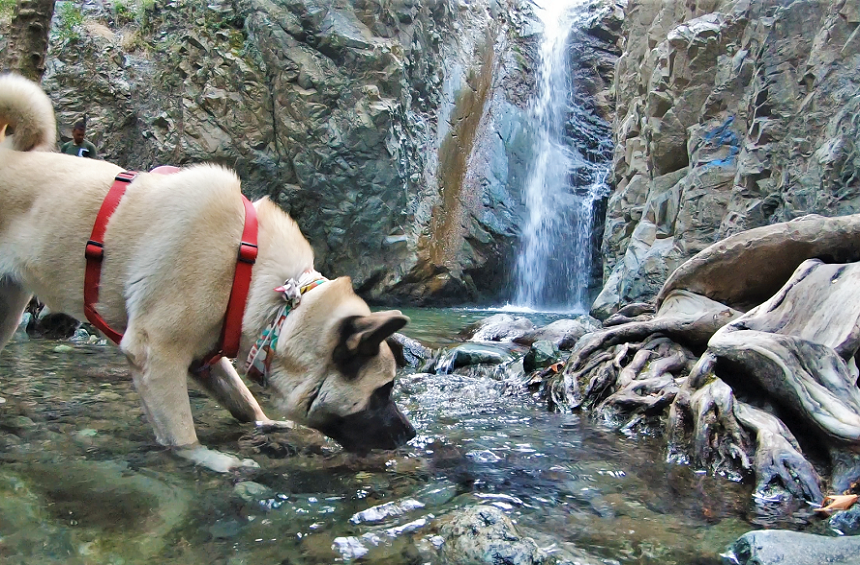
point(144, 14)
point(122, 13)
point(139, 12)
point(68, 22)
point(7, 8)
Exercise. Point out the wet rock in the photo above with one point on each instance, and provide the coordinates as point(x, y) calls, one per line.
point(847, 522)
point(780, 547)
point(407, 351)
point(81, 335)
point(500, 327)
point(386, 511)
point(470, 354)
point(563, 333)
point(542, 354)
point(53, 325)
point(349, 547)
point(484, 535)
point(437, 494)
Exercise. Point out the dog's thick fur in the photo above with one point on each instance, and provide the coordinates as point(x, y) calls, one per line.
point(170, 254)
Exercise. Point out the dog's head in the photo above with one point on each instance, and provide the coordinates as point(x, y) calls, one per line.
point(334, 371)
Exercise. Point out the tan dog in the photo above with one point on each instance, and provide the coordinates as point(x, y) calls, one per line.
point(170, 254)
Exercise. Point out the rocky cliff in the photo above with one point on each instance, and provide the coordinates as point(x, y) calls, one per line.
point(394, 132)
point(731, 114)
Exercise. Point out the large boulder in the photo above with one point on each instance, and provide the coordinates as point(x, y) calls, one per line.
point(499, 327)
point(780, 547)
point(484, 535)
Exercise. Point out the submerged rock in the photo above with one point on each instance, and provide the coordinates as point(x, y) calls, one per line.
point(251, 492)
point(54, 517)
point(847, 522)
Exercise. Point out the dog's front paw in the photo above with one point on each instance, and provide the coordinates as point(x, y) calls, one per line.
point(214, 460)
point(274, 425)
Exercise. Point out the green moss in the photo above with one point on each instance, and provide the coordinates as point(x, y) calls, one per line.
point(122, 14)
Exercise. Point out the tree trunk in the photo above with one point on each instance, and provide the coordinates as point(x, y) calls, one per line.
point(28, 38)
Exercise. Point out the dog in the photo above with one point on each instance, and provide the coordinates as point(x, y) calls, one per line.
point(170, 253)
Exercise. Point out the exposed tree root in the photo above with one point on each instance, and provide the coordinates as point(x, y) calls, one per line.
point(796, 348)
point(777, 455)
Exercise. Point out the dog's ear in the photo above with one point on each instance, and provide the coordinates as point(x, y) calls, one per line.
point(364, 333)
point(360, 337)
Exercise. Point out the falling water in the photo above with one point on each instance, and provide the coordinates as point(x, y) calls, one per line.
point(567, 178)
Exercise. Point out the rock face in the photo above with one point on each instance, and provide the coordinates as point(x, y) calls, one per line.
point(395, 133)
point(731, 114)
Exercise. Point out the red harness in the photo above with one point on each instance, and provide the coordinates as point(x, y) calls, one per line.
point(231, 331)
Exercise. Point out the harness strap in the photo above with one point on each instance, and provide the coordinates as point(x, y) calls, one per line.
point(231, 330)
point(94, 253)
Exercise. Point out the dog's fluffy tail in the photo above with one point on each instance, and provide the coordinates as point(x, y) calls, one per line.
point(26, 115)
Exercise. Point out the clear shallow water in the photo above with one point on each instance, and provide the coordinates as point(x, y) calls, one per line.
point(441, 327)
point(82, 480)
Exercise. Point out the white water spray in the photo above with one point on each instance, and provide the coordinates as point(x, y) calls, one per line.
point(554, 263)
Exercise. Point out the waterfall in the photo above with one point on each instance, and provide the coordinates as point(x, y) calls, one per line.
point(566, 180)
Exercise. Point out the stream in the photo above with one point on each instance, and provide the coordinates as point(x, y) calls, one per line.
point(82, 480)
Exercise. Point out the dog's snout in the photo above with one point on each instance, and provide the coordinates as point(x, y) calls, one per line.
point(381, 427)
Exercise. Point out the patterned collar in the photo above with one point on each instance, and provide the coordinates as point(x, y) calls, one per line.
point(260, 357)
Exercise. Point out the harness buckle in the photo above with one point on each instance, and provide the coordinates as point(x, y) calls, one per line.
point(94, 250)
point(125, 176)
point(247, 253)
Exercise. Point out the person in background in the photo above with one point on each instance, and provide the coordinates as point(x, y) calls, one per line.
point(78, 145)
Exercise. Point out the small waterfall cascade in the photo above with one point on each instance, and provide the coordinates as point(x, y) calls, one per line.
point(566, 184)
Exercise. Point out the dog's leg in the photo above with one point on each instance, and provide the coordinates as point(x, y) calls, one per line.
point(225, 385)
point(13, 300)
point(159, 373)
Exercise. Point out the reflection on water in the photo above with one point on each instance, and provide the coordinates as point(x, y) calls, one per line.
point(439, 327)
point(82, 480)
